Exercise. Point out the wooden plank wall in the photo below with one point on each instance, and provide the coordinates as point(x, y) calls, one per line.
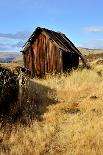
point(28, 59)
point(43, 57)
point(47, 57)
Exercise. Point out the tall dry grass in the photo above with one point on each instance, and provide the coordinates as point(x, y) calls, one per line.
point(61, 115)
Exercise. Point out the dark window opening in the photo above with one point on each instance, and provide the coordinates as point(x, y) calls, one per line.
point(70, 61)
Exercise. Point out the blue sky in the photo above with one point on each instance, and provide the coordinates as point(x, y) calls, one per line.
point(80, 20)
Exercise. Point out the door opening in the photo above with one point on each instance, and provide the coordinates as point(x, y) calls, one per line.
point(70, 61)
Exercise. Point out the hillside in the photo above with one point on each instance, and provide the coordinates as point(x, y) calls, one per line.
point(66, 112)
point(87, 51)
point(13, 56)
point(57, 115)
point(18, 56)
point(93, 56)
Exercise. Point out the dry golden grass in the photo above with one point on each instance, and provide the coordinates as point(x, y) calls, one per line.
point(69, 118)
point(11, 65)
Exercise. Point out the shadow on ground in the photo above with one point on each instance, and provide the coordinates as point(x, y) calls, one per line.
point(33, 102)
point(22, 103)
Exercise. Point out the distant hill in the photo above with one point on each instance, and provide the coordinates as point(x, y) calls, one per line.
point(9, 57)
point(87, 51)
point(17, 56)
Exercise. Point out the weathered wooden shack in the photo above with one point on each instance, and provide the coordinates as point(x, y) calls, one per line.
point(47, 51)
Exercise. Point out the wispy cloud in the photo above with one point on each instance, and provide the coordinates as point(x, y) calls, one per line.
point(13, 41)
point(18, 44)
point(18, 35)
point(93, 29)
point(98, 44)
point(5, 47)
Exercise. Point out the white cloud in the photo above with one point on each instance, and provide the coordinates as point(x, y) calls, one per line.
point(18, 35)
point(98, 44)
point(7, 44)
point(13, 41)
point(93, 29)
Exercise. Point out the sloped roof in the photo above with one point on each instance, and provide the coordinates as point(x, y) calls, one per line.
point(58, 37)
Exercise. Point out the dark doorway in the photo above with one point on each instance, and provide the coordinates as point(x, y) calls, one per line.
point(70, 61)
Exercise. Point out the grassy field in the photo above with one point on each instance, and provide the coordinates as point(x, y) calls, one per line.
point(87, 51)
point(61, 115)
point(69, 116)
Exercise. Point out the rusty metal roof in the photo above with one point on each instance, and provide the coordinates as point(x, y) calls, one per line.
point(58, 37)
